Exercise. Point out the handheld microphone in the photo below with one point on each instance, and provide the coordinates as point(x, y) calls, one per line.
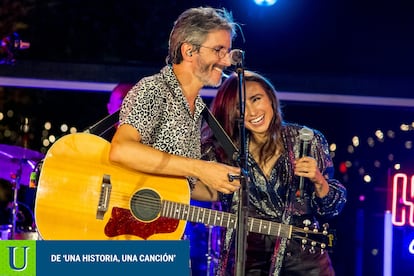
point(236, 56)
point(305, 135)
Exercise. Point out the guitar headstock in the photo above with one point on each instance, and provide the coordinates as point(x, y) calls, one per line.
point(312, 238)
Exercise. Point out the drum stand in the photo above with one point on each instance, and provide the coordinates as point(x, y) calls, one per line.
point(15, 205)
point(15, 163)
point(213, 249)
point(209, 251)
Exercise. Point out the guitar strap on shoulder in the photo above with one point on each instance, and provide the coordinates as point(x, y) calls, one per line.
point(219, 133)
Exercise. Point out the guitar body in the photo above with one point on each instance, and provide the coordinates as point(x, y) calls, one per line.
point(82, 196)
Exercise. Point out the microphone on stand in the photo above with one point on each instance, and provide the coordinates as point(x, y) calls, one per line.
point(13, 43)
point(9, 45)
point(236, 57)
point(305, 135)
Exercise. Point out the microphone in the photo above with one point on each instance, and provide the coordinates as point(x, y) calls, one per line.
point(13, 43)
point(305, 135)
point(9, 45)
point(236, 56)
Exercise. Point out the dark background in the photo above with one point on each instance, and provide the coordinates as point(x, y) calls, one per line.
point(343, 46)
point(358, 48)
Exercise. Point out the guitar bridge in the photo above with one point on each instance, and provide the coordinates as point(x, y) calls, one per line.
point(103, 204)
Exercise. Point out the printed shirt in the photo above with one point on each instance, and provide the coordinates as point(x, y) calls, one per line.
point(157, 108)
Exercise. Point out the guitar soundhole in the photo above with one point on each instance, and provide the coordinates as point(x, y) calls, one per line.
point(146, 205)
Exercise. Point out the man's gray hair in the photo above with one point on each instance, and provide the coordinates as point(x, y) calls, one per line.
point(193, 26)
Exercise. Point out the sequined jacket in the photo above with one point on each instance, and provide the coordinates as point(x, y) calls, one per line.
point(274, 198)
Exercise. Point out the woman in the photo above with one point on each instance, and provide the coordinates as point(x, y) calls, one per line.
point(274, 170)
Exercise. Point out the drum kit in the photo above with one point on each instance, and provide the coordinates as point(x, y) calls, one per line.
point(18, 168)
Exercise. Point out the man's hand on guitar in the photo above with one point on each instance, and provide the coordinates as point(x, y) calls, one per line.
point(216, 176)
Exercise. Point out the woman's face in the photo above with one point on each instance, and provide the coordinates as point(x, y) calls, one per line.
point(259, 112)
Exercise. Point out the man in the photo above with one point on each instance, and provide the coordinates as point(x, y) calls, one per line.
point(160, 118)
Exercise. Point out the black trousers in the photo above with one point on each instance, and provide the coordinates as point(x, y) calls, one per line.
point(297, 261)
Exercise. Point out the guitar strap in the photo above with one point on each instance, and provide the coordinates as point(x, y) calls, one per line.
point(220, 134)
point(104, 125)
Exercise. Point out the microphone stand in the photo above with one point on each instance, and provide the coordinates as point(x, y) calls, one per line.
point(242, 214)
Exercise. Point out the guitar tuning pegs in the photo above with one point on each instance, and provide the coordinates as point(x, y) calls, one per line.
point(315, 228)
point(304, 242)
point(312, 250)
point(325, 228)
point(306, 223)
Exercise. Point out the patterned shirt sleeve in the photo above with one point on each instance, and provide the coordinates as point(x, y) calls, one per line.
point(142, 109)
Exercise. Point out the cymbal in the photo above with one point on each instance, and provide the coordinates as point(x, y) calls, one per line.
point(16, 152)
point(17, 161)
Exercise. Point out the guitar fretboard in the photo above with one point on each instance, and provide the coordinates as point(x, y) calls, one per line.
point(223, 219)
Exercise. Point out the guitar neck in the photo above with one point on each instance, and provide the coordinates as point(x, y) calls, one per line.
point(224, 219)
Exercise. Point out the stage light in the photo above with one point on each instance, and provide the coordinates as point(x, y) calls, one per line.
point(265, 2)
point(64, 127)
point(46, 142)
point(350, 149)
point(355, 141)
point(52, 138)
point(48, 125)
point(367, 178)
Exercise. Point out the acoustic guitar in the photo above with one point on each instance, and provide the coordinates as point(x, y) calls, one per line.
point(81, 195)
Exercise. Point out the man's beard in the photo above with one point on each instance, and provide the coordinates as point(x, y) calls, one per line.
point(204, 74)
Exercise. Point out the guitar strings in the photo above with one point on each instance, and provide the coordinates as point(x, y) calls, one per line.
point(156, 205)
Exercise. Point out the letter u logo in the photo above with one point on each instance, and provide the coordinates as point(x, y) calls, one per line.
point(13, 263)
